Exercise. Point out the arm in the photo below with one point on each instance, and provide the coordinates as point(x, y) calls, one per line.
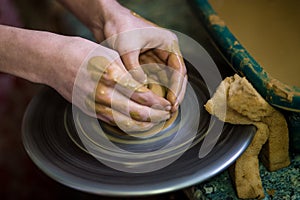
point(56, 60)
point(93, 13)
point(33, 55)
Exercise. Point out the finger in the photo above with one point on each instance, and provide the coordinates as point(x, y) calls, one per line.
point(181, 95)
point(149, 64)
point(157, 89)
point(176, 85)
point(176, 62)
point(116, 118)
point(131, 62)
point(146, 98)
point(122, 80)
point(177, 79)
point(137, 92)
point(100, 67)
point(117, 73)
point(98, 64)
point(124, 122)
point(151, 57)
point(155, 67)
point(112, 98)
point(128, 124)
point(163, 77)
point(162, 54)
point(103, 113)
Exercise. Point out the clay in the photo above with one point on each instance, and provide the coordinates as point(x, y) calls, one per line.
point(100, 68)
point(237, 102)
point(161, 91)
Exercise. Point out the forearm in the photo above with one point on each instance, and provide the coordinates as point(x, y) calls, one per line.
point(36, 55)
point(95, 14)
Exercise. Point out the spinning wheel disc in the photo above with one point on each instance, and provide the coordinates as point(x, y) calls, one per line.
point(52, 142)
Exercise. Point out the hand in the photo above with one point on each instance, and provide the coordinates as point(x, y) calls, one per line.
point(76, 72)
point(136, 40)
point(104, 88)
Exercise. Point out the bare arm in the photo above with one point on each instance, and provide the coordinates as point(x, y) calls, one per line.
point(42, 57)
point(56, 60)
point(94, 13)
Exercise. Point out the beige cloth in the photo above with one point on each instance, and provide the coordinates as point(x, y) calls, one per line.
point(237, 102)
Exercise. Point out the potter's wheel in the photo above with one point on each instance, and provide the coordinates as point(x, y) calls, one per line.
point(54, 145)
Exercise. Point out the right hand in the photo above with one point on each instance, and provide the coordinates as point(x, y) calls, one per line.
point(105, 89)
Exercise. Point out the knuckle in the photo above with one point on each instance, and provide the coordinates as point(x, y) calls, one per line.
point(173, 36)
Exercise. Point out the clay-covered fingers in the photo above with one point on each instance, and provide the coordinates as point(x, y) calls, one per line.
point(149, 57)
point(124, 83)
point(183, 89)
point(168, 69)
point(119, 96)
point(177, 78)
point(131, 63)
point(116, 118)
point(146, 97)
point(117, 101)
point(150, 63)
point(109, 72)
point(155, 68)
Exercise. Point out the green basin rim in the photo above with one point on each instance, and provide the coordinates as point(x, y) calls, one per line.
point(275, 92)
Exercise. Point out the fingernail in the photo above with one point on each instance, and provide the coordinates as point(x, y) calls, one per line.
point(168, 108)
point(139, 76)
point(157, 106)
point(167, 116)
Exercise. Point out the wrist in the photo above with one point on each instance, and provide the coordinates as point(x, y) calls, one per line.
point(73, 51)
point(110, 13)
point(93, 13)
point(109, 9)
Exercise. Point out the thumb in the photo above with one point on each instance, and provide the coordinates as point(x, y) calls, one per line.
point(131, 62)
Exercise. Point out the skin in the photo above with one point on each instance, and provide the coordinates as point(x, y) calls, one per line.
point(33, 55)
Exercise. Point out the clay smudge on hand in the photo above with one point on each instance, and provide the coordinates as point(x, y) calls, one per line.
point(98, 64)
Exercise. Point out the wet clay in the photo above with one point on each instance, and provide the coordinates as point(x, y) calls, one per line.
point(100, 67)
point(269, 30)
point(270, 145)
point(160, 91)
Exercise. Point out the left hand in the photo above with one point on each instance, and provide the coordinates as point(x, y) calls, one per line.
point(140, 42)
